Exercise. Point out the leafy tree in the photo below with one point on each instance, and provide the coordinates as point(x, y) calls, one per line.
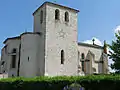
point(115, 53)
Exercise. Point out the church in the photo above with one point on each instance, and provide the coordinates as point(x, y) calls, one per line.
point(52, 49)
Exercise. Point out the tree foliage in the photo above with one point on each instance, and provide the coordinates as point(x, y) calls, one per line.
point(115, 53)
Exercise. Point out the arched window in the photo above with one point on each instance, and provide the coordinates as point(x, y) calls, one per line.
point(13, 63)
point(57, 14)
point(62, 56)
point(41, 17)
point(82, 56)
point(66, 16)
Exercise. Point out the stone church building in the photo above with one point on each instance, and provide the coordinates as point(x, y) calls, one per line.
point(52, 49)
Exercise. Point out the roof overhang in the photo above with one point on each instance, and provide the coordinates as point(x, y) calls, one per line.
point(90, 45)
point(18, 37)
point(50, 3)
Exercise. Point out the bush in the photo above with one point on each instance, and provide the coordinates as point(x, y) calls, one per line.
point(94, 82)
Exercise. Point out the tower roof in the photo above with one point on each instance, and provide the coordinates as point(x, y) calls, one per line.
point(50, 3)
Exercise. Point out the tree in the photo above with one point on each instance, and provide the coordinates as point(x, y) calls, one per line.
point(115, 53)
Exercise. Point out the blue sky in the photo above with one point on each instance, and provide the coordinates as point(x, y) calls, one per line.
point(97, 18)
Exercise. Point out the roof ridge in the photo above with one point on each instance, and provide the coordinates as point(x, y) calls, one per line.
point(90, 45)
point(48, 2)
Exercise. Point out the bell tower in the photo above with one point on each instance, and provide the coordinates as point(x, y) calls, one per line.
point(58, 25)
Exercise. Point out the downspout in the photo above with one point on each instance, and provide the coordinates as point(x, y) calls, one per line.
point(19, 61)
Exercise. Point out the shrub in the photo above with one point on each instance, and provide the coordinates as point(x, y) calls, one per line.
point(94, 82)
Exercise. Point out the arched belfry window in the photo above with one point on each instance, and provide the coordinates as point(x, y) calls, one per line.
point(62, 57)
point(57, 14)
point(82, 56)
point(66, 16)
point(41, 16)
point(13, 62)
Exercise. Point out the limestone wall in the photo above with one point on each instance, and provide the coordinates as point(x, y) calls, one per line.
point(7, 57)
point(97, 53)
point(29, 55)
point(60, 35)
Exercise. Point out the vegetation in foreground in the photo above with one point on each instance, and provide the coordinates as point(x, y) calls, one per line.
point(93, 82)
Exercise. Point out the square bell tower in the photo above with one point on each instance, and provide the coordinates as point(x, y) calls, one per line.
point(58, 42)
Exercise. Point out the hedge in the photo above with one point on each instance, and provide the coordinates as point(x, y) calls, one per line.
point(93, 82)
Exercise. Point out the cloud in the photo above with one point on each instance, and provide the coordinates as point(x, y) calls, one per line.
point(117, 29)
point(97, 41)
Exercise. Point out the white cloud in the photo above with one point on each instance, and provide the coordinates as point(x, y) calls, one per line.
point(97, 41)
point(117, 29)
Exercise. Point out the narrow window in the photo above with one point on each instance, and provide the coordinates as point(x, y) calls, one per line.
point(82, 64)
point(5, 49)
point(14, 58)
point(41, 17)
point(2, 62)
point(62, 56)
point(28, 59)
point(66, 16)
point(13, 61)
point(57, 14)
point(82, 56)
point(78, 55)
